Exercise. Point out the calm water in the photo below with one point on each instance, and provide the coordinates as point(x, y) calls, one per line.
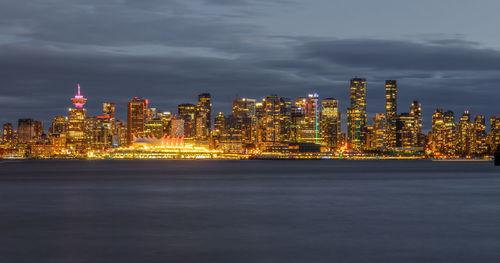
point(249, 211)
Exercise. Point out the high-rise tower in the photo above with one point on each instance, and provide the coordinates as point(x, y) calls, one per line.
point(76, 127)
point(136, 113)
point(391, 110)
point(203, 118)
point(356, 115)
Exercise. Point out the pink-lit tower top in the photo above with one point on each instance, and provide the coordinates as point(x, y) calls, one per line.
point(79, 100)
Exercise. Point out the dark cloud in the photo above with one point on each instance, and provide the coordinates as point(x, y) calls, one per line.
point(169, 51)
point(404, 55)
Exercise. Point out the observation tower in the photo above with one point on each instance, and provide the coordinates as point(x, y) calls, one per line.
point(79, 100)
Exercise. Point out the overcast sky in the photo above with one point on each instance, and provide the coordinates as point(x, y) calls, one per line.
point(443, 53)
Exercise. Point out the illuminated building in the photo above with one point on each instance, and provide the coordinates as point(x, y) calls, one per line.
point(438, 133)
point(464, 135)
point(166, 118)
point(8, 134)
point(150, 114)
point(451, 136)
point(154, 128)
point(25, 130)
point(203, 117)
point(275, 118)
point(99, 132)
point(245, 109)
point(356, 115)
point(406, 133)
point(160, 148)
point(479, 142)
point(121, 134)
point(391, 109)
point(310, 109)
point(231, 140)
point(136, 114)
point(109, 110)
point(416, 112)
point(219, 129)
point(379, 132)
point(297, 125)
point(59, 125)
point(177, 127)
point(369, 138)
point(330, 123)
point(77, 117)
point(187, 113)
point(495, 132)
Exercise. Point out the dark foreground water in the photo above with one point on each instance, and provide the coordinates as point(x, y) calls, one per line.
point(249, 211)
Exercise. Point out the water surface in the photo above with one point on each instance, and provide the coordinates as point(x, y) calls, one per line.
point(249, 211)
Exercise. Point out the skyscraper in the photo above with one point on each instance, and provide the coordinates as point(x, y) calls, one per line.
point(136, 114)
point(203, 117)
point(379, 132)
point(391, 109)
point(438, 133)
point(310, 108)
point(187, 113)
point(330, 123)
point(59, 125)
point(479, 143)
point(495, 132)
point(26, 130)
point(451, 133)
point(406, 132)
point(76, 128)
point(464, 135)
point(109, 110)
point(245, 109)
point(416, 112)
point(356, 115)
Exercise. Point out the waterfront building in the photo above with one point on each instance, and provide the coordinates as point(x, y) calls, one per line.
point(438, 133)
point(450, 133)
point(356, 115)
point(219, 129)
point(464, 135)
point(479, 142)
point(330, 123)
point(177, 127)
point(297, 125)
point(275, 118)
point(99, 132)
point(136, 116)
point(25, 130)
point(76, 137)
point(406, 133)
point(203, 117)
point(121, 137)
point(391, 109)
point(495, 132)
point(187, 113)
point(309, 106)
point(154, 128)
point(379, 132)
point(416, 112)
point(166, 118)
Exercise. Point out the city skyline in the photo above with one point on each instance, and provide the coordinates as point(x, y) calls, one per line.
point(302, 127)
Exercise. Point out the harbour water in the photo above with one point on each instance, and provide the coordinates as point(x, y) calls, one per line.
point(249, 211)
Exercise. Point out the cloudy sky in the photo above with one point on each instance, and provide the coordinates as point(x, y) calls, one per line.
point(443, 53)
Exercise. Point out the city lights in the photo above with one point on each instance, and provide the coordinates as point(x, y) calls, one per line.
point(272, 128)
